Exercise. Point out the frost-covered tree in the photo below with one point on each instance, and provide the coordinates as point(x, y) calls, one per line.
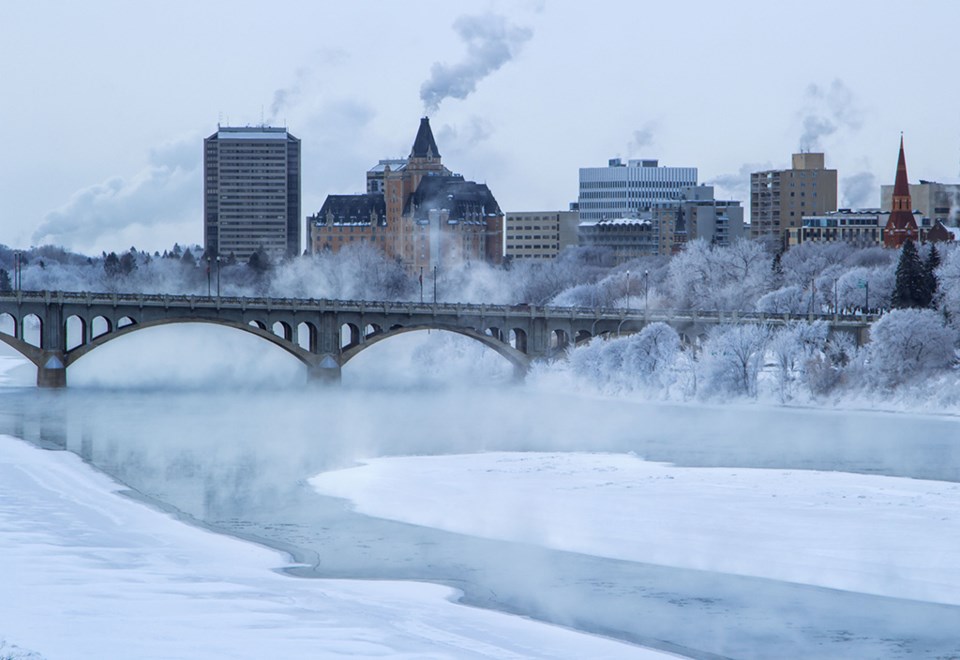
point(792, 347)
point(704, 277)
point(649, 356)
point(788, 300)
point(948, 281)
point(930, 266)
point(908, 343)
point(732, 357)
point(585, 360)
point(5, 280)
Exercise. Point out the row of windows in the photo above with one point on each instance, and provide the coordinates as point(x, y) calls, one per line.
point(606, 185)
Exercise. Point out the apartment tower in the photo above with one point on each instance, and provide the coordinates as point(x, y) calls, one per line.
point(780, 198)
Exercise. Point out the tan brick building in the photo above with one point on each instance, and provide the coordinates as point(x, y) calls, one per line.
point(780, 198)
point(430, 217)
point(539, 234)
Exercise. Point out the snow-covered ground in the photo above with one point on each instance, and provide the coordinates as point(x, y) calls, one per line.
point(870, 534)
point(88, 573)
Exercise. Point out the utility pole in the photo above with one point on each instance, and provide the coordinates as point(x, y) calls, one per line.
point(218, 276)
point(421, 285)
point(646, 291)
point(434, 285)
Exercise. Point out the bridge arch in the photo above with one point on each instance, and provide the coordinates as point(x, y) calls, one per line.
point(307, 336)
point(31, 329)
point(349, 335)
point(8, 324)
point(29, 351)
point(100, 326)
point(293, 349)
point(283, 329)
point(74, 331)
point(518, 339)
point(519, 360)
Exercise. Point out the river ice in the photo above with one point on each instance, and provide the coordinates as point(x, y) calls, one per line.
point(879, 535)
point(87, 573)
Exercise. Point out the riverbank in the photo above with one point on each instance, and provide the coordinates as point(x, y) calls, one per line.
point(89, 573)
point(878, 535)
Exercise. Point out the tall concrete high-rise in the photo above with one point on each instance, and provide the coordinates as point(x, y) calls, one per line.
point(780, 198)
point(251, 192)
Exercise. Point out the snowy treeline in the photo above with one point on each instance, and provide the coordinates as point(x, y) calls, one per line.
point(809, 277)
point(909, 346)
point(909, 350)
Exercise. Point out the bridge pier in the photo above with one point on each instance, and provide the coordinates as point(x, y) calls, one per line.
point(52, 370)
point(325, 372)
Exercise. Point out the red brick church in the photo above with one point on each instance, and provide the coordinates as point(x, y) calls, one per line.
point(902, 223)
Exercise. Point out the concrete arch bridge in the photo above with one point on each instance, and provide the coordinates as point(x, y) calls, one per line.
point(53, 329)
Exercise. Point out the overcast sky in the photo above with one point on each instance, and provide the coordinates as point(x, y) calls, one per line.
point(105, 103)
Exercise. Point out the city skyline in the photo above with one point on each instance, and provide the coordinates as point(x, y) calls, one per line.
point(103, 144)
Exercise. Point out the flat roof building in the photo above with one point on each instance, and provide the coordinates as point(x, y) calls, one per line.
point(621, 189)
point(251, 192)
point(539, 234)
point(780, 198)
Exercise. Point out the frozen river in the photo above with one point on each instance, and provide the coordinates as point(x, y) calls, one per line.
point(240, 463)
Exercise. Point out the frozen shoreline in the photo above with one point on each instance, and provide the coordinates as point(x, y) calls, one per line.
point(886, 536)
point(90, 573)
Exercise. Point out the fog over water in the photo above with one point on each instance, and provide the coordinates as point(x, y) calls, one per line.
point(217, 426)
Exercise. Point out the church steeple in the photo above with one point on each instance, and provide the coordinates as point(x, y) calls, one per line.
point(901, 188)
point(424, 146)
point(901, 224)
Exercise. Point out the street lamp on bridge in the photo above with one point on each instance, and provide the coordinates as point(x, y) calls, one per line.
point(646, 291)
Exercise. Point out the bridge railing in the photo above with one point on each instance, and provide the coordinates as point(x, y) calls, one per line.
point(411, 308)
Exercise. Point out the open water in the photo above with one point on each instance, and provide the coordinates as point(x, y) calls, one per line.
point(238, 462)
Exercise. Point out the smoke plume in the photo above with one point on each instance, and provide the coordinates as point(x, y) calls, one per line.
point(829, 109)
point(491, 43)
point(642, 138)
point(859, 189)
point(157, 205)
point(737, 185)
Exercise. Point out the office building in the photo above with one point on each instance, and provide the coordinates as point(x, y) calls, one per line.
point(780, 198)
point(251, 192)
point(622, 189)
point(539, 234)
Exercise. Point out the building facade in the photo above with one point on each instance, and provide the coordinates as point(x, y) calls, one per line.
point(780, 198)
point(251, 192)
point(622, 189)
point(863, 228)
point(938, 201)
point(345, 220)
point(627, 238)
point(860, 227)
point(430, 218)
point(539, 234)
